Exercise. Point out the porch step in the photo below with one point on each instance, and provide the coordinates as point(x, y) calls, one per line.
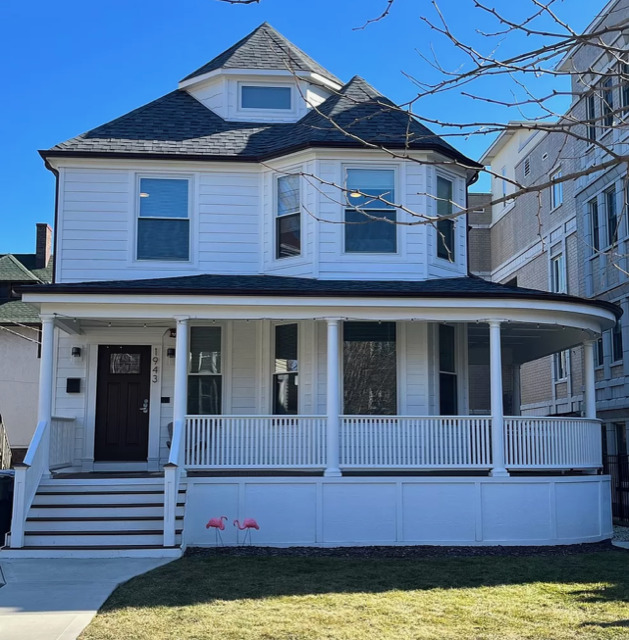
point(98, 518)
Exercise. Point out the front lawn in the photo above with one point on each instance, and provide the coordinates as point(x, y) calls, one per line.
point(224, 597)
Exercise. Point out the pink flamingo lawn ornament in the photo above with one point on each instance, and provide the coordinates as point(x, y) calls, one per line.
point(247, 525)
point(218, 525)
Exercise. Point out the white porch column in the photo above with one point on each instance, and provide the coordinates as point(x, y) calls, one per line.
point(589, 390)
point(46, 384)
point(497, 417)
point(333, 398)
point(180, 400)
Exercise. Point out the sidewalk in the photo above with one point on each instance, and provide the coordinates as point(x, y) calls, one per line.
point(56, 599)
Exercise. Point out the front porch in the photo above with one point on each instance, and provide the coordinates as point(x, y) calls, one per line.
point(234, 396)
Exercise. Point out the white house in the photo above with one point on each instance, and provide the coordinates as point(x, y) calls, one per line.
point(230, 332)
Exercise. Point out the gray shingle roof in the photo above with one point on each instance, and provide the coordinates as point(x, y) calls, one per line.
point(178, 126)
point(266, 285)
point(16, 311)
point(264, 48)
point(12, 270)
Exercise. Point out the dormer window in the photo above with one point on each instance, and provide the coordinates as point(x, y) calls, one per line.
point(276, 98)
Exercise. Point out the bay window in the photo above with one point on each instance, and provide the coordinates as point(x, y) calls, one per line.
point(288, 218)
point(445, 227)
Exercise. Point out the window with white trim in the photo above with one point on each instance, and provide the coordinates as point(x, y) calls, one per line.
point(370, 215)
point(286, 370)
point(599, 352)
point(560, 365)
point(274, 98)
point(163, 226)
point(624, 85)
point(288, 218)
point(556, 190)
point(558, 282)
point(445, 227)
point(617, 350)
point(205, 380)
point(590, 116)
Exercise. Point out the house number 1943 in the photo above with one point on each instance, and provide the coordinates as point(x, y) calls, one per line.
point(155, 369)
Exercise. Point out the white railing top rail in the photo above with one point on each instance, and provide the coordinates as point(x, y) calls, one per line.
point(33, 447)
point(413, 417)
point(251, 416)
point(552, 418)
point(62, 419)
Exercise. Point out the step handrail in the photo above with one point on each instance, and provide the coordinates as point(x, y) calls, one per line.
point(28, 475)
point(172, 479)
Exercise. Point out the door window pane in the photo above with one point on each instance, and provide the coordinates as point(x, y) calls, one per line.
point(369, 368)
point(124, 363)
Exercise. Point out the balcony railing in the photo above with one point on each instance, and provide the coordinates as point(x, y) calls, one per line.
point(389, 442)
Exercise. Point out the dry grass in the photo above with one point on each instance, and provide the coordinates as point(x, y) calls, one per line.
point(489, 598)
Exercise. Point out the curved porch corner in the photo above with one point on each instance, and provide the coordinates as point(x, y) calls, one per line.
point(330, 512)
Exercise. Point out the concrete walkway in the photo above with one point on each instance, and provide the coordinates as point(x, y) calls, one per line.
point(56, 599)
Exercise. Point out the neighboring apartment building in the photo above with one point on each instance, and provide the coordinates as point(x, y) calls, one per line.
point(531, 241)
point(20, 328)
point(600, 83)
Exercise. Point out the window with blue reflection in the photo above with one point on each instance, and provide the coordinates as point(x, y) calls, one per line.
point(370, 215)
point(163, 223)
point(257, 97)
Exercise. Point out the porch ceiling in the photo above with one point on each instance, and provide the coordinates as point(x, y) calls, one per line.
point(523, 341)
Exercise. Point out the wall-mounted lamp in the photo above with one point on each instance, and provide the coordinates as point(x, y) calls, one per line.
point(76, 352)
point(170, 352)
point(172, 333)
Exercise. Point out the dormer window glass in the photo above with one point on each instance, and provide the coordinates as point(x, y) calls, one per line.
point(164, 219)
point(370, 216)
point(288, 220)
point(265, 97)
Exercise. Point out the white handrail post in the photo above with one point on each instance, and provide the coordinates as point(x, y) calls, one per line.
point(19, 506)
point(333, 398)
point(46, 379)
point(497, 414)
point(172, 470)
point(589, 390)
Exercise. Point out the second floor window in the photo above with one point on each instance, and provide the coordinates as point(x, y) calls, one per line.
point(607, 103)
point(370, 217)
point(556, 190)
point(599, 353)
point(594, 225)
point(445, 228)
point(164, 219)
point(617, 350)
point(558, 274)
point(288, 219)
point(612, 216)
point(590, 115)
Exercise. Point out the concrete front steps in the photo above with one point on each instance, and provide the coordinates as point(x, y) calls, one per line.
point(87, 518)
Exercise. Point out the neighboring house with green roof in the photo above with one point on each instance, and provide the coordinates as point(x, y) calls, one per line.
point(19, 340)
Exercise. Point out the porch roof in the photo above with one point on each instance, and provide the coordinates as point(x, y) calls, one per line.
point(269, 285)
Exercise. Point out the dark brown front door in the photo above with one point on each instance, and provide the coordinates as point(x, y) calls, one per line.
point(122, 403)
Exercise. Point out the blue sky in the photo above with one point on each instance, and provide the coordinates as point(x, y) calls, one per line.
point(74, 64)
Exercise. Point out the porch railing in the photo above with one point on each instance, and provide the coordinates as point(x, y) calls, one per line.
point(552, 443)
point(61, 442)
point(255, 442)
point(394, 442)
point(5, 447)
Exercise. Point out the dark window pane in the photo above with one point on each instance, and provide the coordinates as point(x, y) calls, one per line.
point(612, 218)
point(447, 394)
point(445, 228)
point(446, 349)
point(369, 368)
point(363, 235)
point(288, 236)
point(265, 97)
point(596, 241)
point(591, 117)
point(608, 103)
point(285, 394)
point(617, 342)
point(205, 350)
point(204, 395)
point(163, 198)
point(286, 343)
point(599, 352)
point(163, 239)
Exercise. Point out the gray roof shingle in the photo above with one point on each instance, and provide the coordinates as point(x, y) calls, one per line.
point(264, 48)
point(266, 285)
point(178, 126)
